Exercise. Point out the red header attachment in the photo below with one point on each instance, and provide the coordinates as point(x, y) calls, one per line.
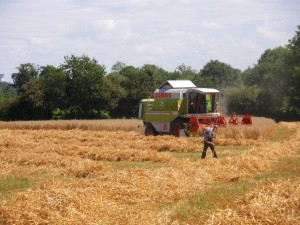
point(194, 124)
point(247, 120)
point(220, 121)
point(233, 120)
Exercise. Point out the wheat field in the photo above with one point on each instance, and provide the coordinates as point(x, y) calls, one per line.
point(108, 172)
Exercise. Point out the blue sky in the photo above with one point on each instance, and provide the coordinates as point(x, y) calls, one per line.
point(166, 33)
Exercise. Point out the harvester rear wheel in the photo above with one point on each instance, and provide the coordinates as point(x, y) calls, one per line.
point(175, 129)
point(150, 130)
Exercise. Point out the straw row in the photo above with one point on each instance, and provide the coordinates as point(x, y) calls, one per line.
point(76, 182)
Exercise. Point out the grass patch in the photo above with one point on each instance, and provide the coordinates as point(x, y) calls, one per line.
point(281, 134)
point(222, 151)
point(198, 207)
point(284, 168)
point(229, 151)
point(186, 155)
point(11, 185)
point(122, 165)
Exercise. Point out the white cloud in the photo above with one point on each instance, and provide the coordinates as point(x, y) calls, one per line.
point(211, 25)
point(278, 36)
point(38, 41)
point(149, 48)
point(164, 32)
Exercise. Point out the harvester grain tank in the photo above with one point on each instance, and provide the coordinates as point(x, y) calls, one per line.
point(179, 104)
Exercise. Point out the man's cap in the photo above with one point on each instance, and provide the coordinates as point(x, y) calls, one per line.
point(206, 129)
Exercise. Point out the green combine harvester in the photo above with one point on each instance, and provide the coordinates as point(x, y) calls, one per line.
point(178, 105)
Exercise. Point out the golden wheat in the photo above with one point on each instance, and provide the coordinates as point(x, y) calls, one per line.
point(108, 125)
point(76, 185)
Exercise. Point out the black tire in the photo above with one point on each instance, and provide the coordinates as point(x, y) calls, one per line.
point(150, 130)
point(175, 128)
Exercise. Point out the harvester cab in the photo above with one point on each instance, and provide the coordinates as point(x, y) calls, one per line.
point(179, 105)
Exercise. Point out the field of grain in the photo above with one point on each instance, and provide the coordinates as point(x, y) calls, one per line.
point(108, 172)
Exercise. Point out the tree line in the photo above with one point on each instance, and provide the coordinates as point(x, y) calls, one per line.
point(81, 88)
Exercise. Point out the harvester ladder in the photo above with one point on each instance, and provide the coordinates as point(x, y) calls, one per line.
point(149, 105)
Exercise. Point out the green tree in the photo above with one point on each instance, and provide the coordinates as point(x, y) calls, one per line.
point(271, 75)
point(293, 62)
point(25, 73)
point(133, 83)
point(114, 91)
point(186, 71)
point(85, 89)
point(8, 89)
point(1, 93)
point(118, 66)
point(10, 108)
point(139, 84)
point(54, 83)
point(220, 74)
point(32, 100)
point(151, 77)
point(241, 100)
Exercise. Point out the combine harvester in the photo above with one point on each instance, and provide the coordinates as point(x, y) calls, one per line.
point(179, 105)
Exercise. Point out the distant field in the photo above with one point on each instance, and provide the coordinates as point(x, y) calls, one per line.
point(108, 125)
point(261, 127)
point(108, 172)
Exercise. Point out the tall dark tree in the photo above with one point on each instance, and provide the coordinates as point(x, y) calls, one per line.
point(293, 63)
point(8, 89)
point(118, 66)
point(1, 93)
point(32, 100)
point(185, 72)
point(114, 91)
point(25, 73)
point(85, 87)
point(271, 75)
point(241, 100)
point(133, 83)
point(221, 74)
point(152, 77)
point(54, 82)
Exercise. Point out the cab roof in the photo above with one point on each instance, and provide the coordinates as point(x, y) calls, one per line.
point(177, 84)
point(207, 90)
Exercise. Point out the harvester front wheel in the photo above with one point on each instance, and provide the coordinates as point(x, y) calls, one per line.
point(175, 129)
point(150, 130)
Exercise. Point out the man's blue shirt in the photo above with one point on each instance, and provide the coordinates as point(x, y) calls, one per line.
point(209, 136)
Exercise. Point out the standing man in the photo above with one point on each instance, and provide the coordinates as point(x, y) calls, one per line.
point(208, 141)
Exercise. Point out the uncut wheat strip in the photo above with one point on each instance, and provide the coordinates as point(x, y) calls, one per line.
point(269, 203)
point(111, 124)
point(260, 128)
